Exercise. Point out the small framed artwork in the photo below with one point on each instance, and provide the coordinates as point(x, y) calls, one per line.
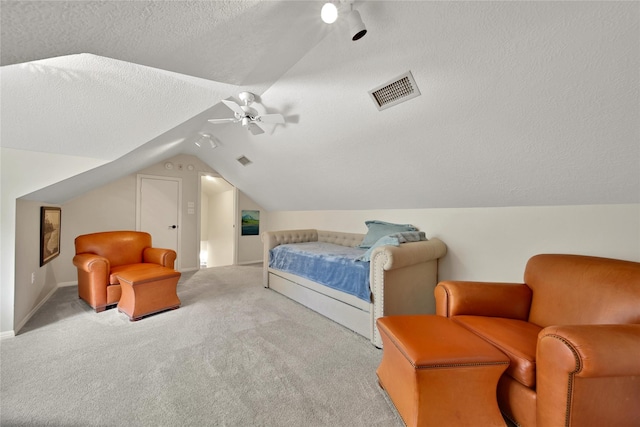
point(250, 223)
point(49, 233)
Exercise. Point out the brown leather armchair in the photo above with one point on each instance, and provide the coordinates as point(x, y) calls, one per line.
point(572, 334)
point(101, 256)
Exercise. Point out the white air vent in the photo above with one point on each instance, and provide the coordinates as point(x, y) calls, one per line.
point(394, 92)
point(243, 160)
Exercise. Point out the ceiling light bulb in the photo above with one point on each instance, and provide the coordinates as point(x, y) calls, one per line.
point(329, 13)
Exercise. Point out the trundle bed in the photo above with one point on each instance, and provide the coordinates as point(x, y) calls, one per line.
point(399, 279)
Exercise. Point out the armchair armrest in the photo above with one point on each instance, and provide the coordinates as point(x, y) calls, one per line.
point(509, 300)
point(91, 263)
point(588, 374)
point(163, 257)
point(93, 278)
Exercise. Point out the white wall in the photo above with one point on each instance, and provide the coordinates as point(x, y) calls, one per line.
point(21, 173)
point(495, 243)
point(221, 229)
point(107, 208)
point(29, 294)
point(249, 247)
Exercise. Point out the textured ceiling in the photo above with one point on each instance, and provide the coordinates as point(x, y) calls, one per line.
point(523, 103)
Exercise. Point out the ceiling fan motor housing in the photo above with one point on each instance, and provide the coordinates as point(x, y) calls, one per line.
point(247, 98)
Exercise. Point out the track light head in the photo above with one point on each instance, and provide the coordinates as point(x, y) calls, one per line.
point(357, 28)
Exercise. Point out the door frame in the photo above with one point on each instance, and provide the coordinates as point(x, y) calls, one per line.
point(234, 249)
point(139, 179)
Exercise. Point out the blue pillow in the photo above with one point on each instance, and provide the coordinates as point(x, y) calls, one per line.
point(394, 240)
point(379, 229)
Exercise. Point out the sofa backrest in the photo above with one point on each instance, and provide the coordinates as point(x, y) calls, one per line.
point(578, 290)
point(119, 247)
point(339, 238)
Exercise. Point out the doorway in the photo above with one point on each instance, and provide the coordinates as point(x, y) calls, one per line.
point(218, 201)
point(158, 211)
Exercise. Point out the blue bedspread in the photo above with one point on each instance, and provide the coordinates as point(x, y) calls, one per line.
point(332, 265)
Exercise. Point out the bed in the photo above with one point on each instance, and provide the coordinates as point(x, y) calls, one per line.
point(401, 279)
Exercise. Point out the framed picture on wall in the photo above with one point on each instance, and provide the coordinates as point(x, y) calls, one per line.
point(250, 223)
point(49, 233)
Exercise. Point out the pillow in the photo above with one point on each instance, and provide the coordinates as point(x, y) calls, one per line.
point(379, 229)
point(394, 240)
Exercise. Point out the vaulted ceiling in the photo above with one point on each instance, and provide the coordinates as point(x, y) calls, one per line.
point(522, 103)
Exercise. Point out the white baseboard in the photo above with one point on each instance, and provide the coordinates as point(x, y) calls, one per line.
point(251, 262)
point(7, 334)
point(65, 284)
point(185, 270)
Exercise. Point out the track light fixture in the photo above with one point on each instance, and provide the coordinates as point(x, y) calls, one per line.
point(329, 14)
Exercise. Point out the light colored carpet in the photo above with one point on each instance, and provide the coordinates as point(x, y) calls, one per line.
point(234, 354)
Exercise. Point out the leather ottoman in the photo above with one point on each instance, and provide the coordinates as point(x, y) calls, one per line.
point(437, 373)
point(148, 291)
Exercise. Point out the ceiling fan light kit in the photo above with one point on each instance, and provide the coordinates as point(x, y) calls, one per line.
point(206, 139)
point(248, 117)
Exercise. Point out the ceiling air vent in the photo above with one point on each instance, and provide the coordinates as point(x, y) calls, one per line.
point(394, 92)
point(243, 160)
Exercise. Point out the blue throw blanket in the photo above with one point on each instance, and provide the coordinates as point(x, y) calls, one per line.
point(332, 265)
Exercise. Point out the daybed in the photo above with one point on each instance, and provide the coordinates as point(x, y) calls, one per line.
point(401, 278)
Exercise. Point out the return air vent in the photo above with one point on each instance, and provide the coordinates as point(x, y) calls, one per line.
point(244, 161)
point(394, 92)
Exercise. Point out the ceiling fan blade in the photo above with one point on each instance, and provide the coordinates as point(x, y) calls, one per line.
point(255, 129)
point(271, 118)
point(233, 106)
point(218, 121)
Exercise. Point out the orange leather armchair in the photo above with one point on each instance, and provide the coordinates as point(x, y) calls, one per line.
point(101, 256)
point(572, 333)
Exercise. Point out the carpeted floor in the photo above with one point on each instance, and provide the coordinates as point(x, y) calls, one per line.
point(234, 354)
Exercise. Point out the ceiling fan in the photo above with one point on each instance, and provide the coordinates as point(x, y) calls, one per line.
point(247, 116)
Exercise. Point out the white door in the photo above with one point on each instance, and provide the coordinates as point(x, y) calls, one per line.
point(159, 211)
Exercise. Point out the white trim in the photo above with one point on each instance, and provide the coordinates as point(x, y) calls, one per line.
point(66, 284)
point(186, 270)
point(7, 334)
point(259, 261)
point(236, 235)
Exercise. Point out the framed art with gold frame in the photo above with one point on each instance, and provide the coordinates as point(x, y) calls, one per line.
point(50, 221)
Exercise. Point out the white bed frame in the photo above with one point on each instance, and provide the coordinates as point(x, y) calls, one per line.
point(402, 280)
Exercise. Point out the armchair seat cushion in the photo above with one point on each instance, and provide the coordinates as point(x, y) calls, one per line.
point(515, 338)
point(113, 275)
